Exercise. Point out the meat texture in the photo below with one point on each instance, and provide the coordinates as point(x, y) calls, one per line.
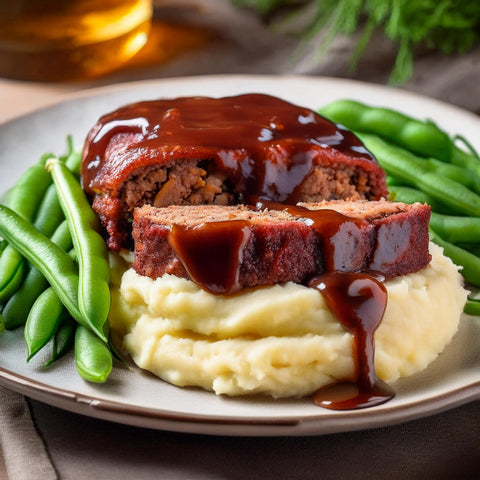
point(227, 151)
point(268, 246)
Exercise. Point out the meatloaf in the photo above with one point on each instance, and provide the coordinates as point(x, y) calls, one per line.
point(221, 151)
point(226, 248)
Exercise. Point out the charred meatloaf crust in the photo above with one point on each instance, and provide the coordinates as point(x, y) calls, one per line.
point(228, 248)
point(225, 151)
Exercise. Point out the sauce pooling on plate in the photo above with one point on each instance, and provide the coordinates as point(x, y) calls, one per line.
point(358, 301)
point(265, 146)
point(211, 253)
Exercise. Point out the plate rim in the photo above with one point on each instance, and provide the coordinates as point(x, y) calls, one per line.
point(216, 424)
point(309, 425)
point(91, 91)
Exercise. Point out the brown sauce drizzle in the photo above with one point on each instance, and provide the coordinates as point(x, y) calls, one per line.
point(358, 301)
point(265, 146)
point(336, 231)
point(212, 255)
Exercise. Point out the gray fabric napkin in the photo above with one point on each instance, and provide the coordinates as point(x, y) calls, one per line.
point(441, 447)
point(23, 452)
point(107, 451)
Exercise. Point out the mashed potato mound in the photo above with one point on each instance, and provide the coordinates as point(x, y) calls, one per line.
point(280, 340)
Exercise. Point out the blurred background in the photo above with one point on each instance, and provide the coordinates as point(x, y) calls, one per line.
point(53, 46)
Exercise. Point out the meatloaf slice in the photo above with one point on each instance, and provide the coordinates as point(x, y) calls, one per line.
point(222, 151)
point(227, 248)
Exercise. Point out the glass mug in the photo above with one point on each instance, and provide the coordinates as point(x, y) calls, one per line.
point(55, 40)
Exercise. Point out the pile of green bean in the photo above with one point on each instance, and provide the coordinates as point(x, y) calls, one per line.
point(54, 274)
point(424, 164)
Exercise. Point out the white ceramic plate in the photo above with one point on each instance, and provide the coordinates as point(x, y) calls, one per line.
point(140, 399)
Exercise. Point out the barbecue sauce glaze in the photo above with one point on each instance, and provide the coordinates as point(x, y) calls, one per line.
point(358, 301)
point(265, 146)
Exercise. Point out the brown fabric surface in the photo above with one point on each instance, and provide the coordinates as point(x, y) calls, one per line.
point(24, 453)
point(3, 471)
point(441, 447)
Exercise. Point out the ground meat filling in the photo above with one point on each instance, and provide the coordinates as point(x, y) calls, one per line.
point(189, 183)
point(328, 183)
point(181, 184)
point(192, 183)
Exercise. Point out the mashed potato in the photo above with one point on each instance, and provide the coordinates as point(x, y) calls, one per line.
point(279, 340)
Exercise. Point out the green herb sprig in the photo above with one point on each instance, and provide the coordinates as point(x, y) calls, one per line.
point(448, 26)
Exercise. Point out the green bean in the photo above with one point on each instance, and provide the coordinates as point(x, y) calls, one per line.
point(48, 217)
point(72, 159)
point(472, 307)
point(28, 191)
point(395, 182)
point(45, 209)
point(57, 266)
point(43, 321)
point(2, 323)
point(44, 318)
point(49, 214)
point(90, 248)
point(62, 340)
point(26, 199)
point(475, 295)
point(463, 159)
point(423, 138)
point(400, 163)
point(18, 275)
point(470, 247)
point(455, 172)
point(92, 356)
point(412, 195)
point(470, 263)
point(12, 271)
point(453, 194)
point(17, 308)
point(455, 229)
point(400, 193)
point(23, 199)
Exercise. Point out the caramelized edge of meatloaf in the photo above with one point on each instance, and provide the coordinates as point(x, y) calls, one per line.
point(193, 183)
point(387, 237)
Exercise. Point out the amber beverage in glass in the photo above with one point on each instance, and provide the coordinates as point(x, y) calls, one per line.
point(56, 40)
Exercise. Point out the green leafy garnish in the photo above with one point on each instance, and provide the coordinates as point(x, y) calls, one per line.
point(449, 26)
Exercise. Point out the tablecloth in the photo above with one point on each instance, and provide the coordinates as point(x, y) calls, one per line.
point(38, 441)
